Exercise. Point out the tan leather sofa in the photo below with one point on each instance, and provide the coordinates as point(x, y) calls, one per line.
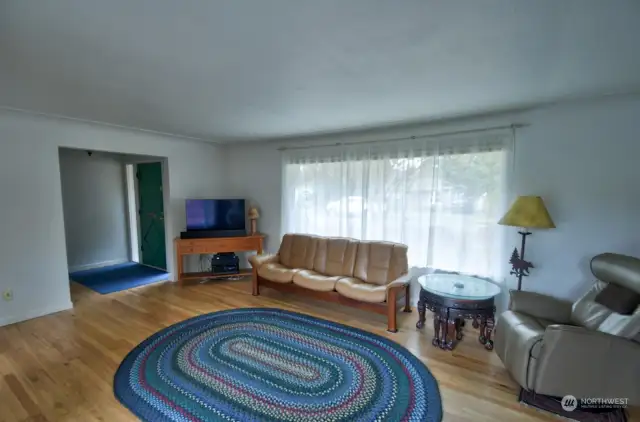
point(584, 349)
point(368, 275)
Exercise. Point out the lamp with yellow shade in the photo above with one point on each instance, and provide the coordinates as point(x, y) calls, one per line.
point(528, 212)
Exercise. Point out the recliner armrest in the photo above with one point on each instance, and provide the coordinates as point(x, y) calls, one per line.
point(540, 306)
point(587, 363)
point(257, 261)
point(557, 334)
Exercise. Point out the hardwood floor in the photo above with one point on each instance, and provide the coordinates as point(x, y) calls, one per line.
point(60, 367)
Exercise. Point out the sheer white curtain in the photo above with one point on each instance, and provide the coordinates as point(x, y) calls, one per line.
point(442, 197)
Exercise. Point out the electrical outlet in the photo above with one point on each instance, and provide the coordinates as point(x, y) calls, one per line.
point(7, 295)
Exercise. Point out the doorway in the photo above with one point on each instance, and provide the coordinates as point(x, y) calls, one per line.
point(114, 213)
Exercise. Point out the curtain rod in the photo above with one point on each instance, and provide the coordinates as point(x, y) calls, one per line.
point(406, 138)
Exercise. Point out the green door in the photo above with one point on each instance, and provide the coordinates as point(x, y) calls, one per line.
point(151, 209)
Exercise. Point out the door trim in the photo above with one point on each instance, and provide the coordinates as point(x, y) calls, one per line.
point(132, 214)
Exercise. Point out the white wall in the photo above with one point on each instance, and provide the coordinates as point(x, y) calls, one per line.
point(94, 205)
point(582, 158)
point(33, 259)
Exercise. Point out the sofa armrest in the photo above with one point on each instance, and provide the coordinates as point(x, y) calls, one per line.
point(540, 306)
point(586, 363)
point(399, 282)
point(396, 286)
point(257, 261)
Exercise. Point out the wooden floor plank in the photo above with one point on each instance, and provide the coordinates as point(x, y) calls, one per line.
point(20, 393)
point(60, 367)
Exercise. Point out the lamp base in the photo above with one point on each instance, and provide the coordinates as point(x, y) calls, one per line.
point(519, 266)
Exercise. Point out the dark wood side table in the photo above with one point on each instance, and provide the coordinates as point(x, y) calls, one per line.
point(453, 298)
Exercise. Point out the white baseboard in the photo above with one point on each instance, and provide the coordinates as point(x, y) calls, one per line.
point(75, 268)
point(35, 313)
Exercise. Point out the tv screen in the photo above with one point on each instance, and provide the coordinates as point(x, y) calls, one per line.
point(215, 214)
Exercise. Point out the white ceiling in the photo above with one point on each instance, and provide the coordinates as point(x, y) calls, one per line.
point(228, 70)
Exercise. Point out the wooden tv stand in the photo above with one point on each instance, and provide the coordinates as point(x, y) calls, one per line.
point(212, 245)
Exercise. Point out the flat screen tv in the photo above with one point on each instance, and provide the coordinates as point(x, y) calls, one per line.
point(215, 214)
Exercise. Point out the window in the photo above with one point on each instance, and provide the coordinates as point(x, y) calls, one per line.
point(442, 199)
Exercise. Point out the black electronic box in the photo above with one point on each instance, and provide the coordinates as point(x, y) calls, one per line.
point(225, 263)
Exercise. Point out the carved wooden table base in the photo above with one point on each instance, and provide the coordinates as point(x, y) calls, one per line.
point(449, 316)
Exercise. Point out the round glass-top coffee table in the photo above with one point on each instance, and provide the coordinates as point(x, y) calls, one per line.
point(453, 298)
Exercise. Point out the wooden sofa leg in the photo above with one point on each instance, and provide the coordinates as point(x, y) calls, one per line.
point(255, 287)
point(391, 311)
point(407, 299)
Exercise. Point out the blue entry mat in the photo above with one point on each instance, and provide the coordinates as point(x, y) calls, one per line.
point(115, 278)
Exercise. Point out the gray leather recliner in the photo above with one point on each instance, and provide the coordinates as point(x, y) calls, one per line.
point(584, 349)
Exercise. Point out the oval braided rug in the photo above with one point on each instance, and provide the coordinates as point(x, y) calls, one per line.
point(270, 364)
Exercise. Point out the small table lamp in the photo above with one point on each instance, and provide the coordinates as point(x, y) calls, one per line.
point(527, 212)
point(253, 215)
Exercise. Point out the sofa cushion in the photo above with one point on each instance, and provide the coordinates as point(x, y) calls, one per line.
point(587, 312)
point(619, 299)
point(359, 290)
point(314, 281)
point(380, 262)
point(277, 272)
point(298, 251)
point(627, 326)
point(335, 256)
point(590, 314)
